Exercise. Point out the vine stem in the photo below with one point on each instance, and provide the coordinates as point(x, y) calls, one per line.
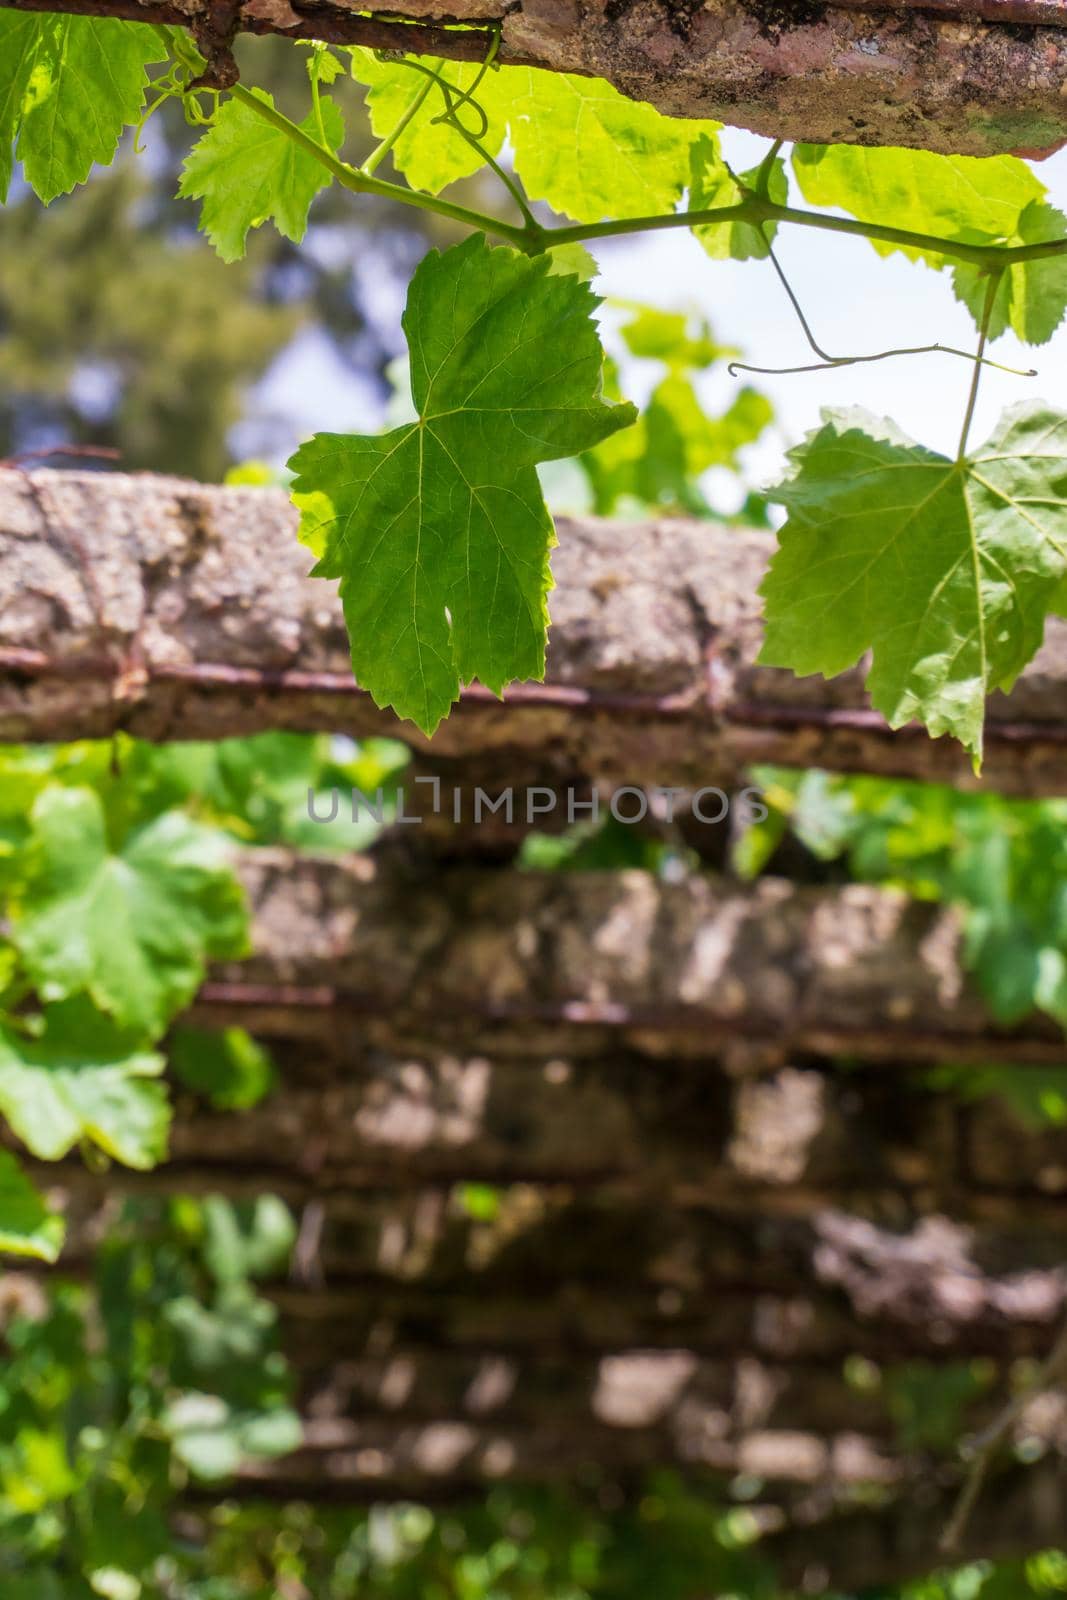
point(976, 377)
point(378, 155)
point(1051, 1372)
point(350, 177)
point(363, 183)
point(734, 367)
point(450, 116)
point(753, 208)
point(827, 361)
point(316, 100)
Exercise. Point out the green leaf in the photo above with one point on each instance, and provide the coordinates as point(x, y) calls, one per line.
point(590, 151)
point(657, 463)
point(438, 530)
point(712, 187)
point(969, 198)
point(246, 171)
point(944, 570)
point(972, 200)
point(77, 82)
point(670, 337)
point(429, 153)
point(1032, 295)
point(212, 1439)
point(248, 1241)
point(27, 1227)
point(19, 40)
point(83, 1079)
point(323, 66)
point(228, 1067)
point(573, 259)
point(578, 143)
point(131, 925)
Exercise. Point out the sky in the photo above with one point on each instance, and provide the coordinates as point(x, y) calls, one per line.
point(855, 301)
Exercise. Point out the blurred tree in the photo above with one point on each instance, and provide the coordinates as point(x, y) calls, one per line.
point(115, 332)
point(120, 327)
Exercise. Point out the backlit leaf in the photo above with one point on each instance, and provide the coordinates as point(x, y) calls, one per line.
point(77, 82)
point(428, 152)
point(246, 171)
point(437, 529)
point(972, 200)
point(590, 151)
point(944, 570)
point(712, 187)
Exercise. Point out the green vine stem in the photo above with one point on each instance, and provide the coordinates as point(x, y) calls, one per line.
point(379, 153)
point(316, 100)
point(976, 378)
point(352, 178)
point(450, 116)
point(753, 208)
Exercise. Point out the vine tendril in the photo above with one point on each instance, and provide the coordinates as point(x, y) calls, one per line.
point(827, 362)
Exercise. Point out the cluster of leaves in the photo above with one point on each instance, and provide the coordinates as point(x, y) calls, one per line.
point(438, 532)
point(117, 888)
point(118, 1391)
point(659, 462)
point(1002, 861)
point(100, 1436)
point(516, 1544)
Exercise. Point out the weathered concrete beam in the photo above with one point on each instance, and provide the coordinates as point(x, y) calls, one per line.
point(777, 1142)
point(591, 962)
point(175, 610)
point(972, 76)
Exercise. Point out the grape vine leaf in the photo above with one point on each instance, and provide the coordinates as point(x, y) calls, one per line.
point(438, 530)
point(658, 462)
point(978, 199)
point(68, 88)
point(322, 65)
point(1032, 295)
point(711, 186)
point(227, 1067)
point(944, 570)
point(27, 1227)
point(246, 171)
point(429, 153)
point(578, 143)
point(987, 200)
point(673, 338)
point(130, 924)
point(590, 151)
point(83, 1079)
point(18, 47)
